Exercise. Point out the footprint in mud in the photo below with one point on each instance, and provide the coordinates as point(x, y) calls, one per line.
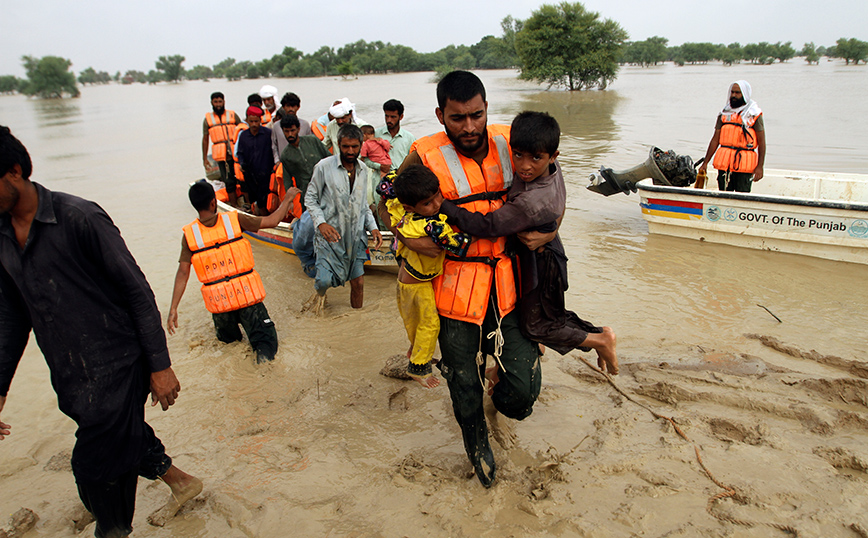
point(841, 458)
point(62, 461)
point(728, 430)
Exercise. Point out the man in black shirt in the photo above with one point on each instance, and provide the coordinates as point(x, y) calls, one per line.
point(66, 273)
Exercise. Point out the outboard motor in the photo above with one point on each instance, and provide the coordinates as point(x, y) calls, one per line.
point(663, 167)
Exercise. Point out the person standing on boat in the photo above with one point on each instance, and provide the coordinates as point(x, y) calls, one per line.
point(739, 141)
point(399, 138)
point(255, 158)
point(336, 200)
point(343, 112)
point(219, 129)
point(290, 103)
point(223, 260)
point(66, 273)
point(268, 93)
point(476, 294)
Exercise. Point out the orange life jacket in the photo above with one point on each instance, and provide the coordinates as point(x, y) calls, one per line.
point(223, 261)
point(221, 131)
point(737, 145)
point(277, 185)
point(462, 291)
point(317, 129)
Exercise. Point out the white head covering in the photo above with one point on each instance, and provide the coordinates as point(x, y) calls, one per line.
point(343, 108)
point(267, 91)
point(749, 110)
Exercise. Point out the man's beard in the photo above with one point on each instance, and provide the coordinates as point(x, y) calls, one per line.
point(219, 110)
point(345, 159)
point(471, 148)
point(735, 103)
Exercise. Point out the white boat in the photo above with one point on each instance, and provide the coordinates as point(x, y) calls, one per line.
point(824, 215)
point(281, 239)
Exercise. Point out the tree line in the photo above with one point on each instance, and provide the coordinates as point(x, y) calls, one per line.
point(562, 45)
point(654, 50)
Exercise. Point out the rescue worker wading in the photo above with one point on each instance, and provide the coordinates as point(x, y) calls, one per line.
point(476, 294)
point(223, 260)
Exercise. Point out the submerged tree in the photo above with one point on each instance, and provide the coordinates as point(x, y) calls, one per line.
point(170, 67)
point(809, 51)
point(567, 45)
point(851, 50)
point(48, 77)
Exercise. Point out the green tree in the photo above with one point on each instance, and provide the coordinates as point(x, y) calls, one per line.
point(648, 52)
point(346, 69)
point(200, 72)
point(154, 76)
point(851, 50)
point(48, 77)
point(783, 52)
point(567, 45)
point(10, 84)
point(809, 51)
point(134, 76)
point(91, 76)
point(171, 67)
point(759, 53)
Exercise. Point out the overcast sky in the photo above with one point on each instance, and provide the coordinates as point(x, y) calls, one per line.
point(118, 35)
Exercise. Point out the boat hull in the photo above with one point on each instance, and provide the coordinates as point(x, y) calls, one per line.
point(834, 229)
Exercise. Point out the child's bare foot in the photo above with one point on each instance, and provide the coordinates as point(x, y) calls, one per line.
point(498, 425)
point(428, 381)
point(607, 359)
point(184, 487)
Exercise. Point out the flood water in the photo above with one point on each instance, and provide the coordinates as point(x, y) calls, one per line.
point(135, 149)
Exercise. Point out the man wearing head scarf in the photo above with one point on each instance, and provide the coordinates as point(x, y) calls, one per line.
point(268, 93)
point(343, 112)
point(739, 141)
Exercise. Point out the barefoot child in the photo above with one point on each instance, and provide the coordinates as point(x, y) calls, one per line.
point(415, 213)
point(536, 200)
point(376, 150)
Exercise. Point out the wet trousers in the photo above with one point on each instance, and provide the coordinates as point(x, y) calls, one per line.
point(520, 375)
point(113, 503)
point(258, 326)
point(418, 309)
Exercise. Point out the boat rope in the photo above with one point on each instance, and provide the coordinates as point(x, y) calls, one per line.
point(729, 491)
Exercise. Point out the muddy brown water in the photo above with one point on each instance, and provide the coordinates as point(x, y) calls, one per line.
point(134, 149)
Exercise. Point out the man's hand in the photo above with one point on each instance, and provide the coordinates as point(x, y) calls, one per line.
point(534, 240)
point(206, 164)
point(4, 428)
point(758, 173)
point(164, 388)
point(172, 321)
point(378, 239)
point(329, 233)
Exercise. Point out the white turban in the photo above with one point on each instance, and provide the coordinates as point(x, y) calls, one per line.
point(267, 91)
point(342, 109)
point(749, 110)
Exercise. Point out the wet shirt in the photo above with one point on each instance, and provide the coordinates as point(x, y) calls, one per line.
point(77, 286)
point(298, 162)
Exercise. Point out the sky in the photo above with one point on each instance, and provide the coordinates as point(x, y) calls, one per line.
point(118, 35)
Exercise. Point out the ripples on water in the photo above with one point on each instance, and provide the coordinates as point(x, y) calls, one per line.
point(134, 149)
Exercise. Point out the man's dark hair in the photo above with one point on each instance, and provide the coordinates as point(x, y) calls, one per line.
point(367, 129)
point(290, 99)
point(460, 86)
point(217, 95)
point(289, 120)
point(254, 98)
point(13, 152)
point(393, 105)
point(350, 130)
point(534, 132)
point(201, 193)
point(416, 183)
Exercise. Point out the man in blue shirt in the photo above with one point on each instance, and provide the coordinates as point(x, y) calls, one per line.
point(256, 158)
